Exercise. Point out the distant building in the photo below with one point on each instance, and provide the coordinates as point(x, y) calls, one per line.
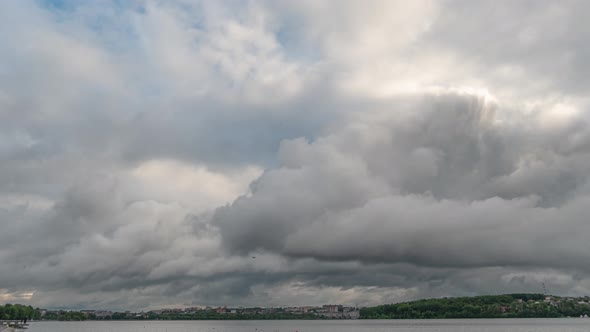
point(329, 308)
point(103, 314)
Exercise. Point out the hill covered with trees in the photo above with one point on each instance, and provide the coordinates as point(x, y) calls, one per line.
point(490, 306)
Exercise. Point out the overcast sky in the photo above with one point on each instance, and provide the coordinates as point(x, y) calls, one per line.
point(363, 152)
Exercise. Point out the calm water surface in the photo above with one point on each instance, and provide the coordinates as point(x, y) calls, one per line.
point(476, 325)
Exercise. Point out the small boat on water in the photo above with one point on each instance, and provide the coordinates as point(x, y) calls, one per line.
point(13, 326)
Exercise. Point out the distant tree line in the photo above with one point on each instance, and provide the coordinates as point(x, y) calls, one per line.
point(18, 312)
point(492, 306)
point(203, 315)
point(65, 316)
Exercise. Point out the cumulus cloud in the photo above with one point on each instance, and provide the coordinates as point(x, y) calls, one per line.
point(441, 181)
point(364, 152)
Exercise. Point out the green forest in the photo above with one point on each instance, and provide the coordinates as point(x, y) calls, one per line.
point(491, 306)
point(18, 311)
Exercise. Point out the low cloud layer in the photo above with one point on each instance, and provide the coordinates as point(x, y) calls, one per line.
point(439, 181)
point(363, 152)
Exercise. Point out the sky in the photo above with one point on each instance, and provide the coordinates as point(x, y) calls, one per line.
point(160, 154)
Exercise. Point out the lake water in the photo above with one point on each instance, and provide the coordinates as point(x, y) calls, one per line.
point(450, 325)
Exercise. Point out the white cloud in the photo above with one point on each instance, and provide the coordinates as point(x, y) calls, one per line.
point(196, 188)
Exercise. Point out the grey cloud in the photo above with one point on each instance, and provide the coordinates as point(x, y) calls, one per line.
point(420, 184)
point(116, 105)
point(545, 40)
point(364, 199)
